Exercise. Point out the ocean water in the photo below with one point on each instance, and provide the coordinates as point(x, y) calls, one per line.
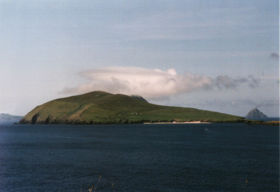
point(153, 158)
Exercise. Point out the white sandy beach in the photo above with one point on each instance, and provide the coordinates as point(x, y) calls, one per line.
point(185, 122)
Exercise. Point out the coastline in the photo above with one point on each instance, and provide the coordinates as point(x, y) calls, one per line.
point(184, 122)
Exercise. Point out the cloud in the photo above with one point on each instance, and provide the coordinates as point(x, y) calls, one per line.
point(269, 103)
point(153, 83)
point(274, 55)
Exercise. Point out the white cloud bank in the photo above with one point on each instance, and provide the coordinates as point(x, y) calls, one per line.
point(153, 83)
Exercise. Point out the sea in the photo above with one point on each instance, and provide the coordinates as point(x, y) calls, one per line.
point(139, 158)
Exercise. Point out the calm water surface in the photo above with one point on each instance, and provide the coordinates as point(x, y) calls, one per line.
point(214, 157)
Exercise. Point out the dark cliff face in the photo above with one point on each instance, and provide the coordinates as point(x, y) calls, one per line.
point(139, 98)
point(256, 114)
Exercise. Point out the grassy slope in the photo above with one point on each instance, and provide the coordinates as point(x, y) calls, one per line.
point(102, 107)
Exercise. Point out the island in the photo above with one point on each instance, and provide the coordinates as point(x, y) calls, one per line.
point(256, 114)
point(100, 107)
point(6, 119)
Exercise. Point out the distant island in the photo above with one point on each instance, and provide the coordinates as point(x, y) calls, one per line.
point(100, 107)
point(9, 119)
point(256, 114)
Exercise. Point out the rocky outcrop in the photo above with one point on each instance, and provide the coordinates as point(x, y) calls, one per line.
point(256, 114)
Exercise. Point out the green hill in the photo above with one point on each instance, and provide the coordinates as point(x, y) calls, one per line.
point(101, 107)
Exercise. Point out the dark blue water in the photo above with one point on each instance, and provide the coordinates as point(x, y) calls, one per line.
point(214, 157)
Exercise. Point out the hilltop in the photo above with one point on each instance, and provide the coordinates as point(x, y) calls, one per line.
point(100, 107)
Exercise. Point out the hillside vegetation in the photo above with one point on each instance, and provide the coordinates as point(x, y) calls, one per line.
point(104, 108)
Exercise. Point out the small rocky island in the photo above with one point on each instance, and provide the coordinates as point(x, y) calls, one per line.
point(256, 114)
point(100, 107)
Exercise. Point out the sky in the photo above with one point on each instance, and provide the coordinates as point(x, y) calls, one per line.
point(216, 55)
